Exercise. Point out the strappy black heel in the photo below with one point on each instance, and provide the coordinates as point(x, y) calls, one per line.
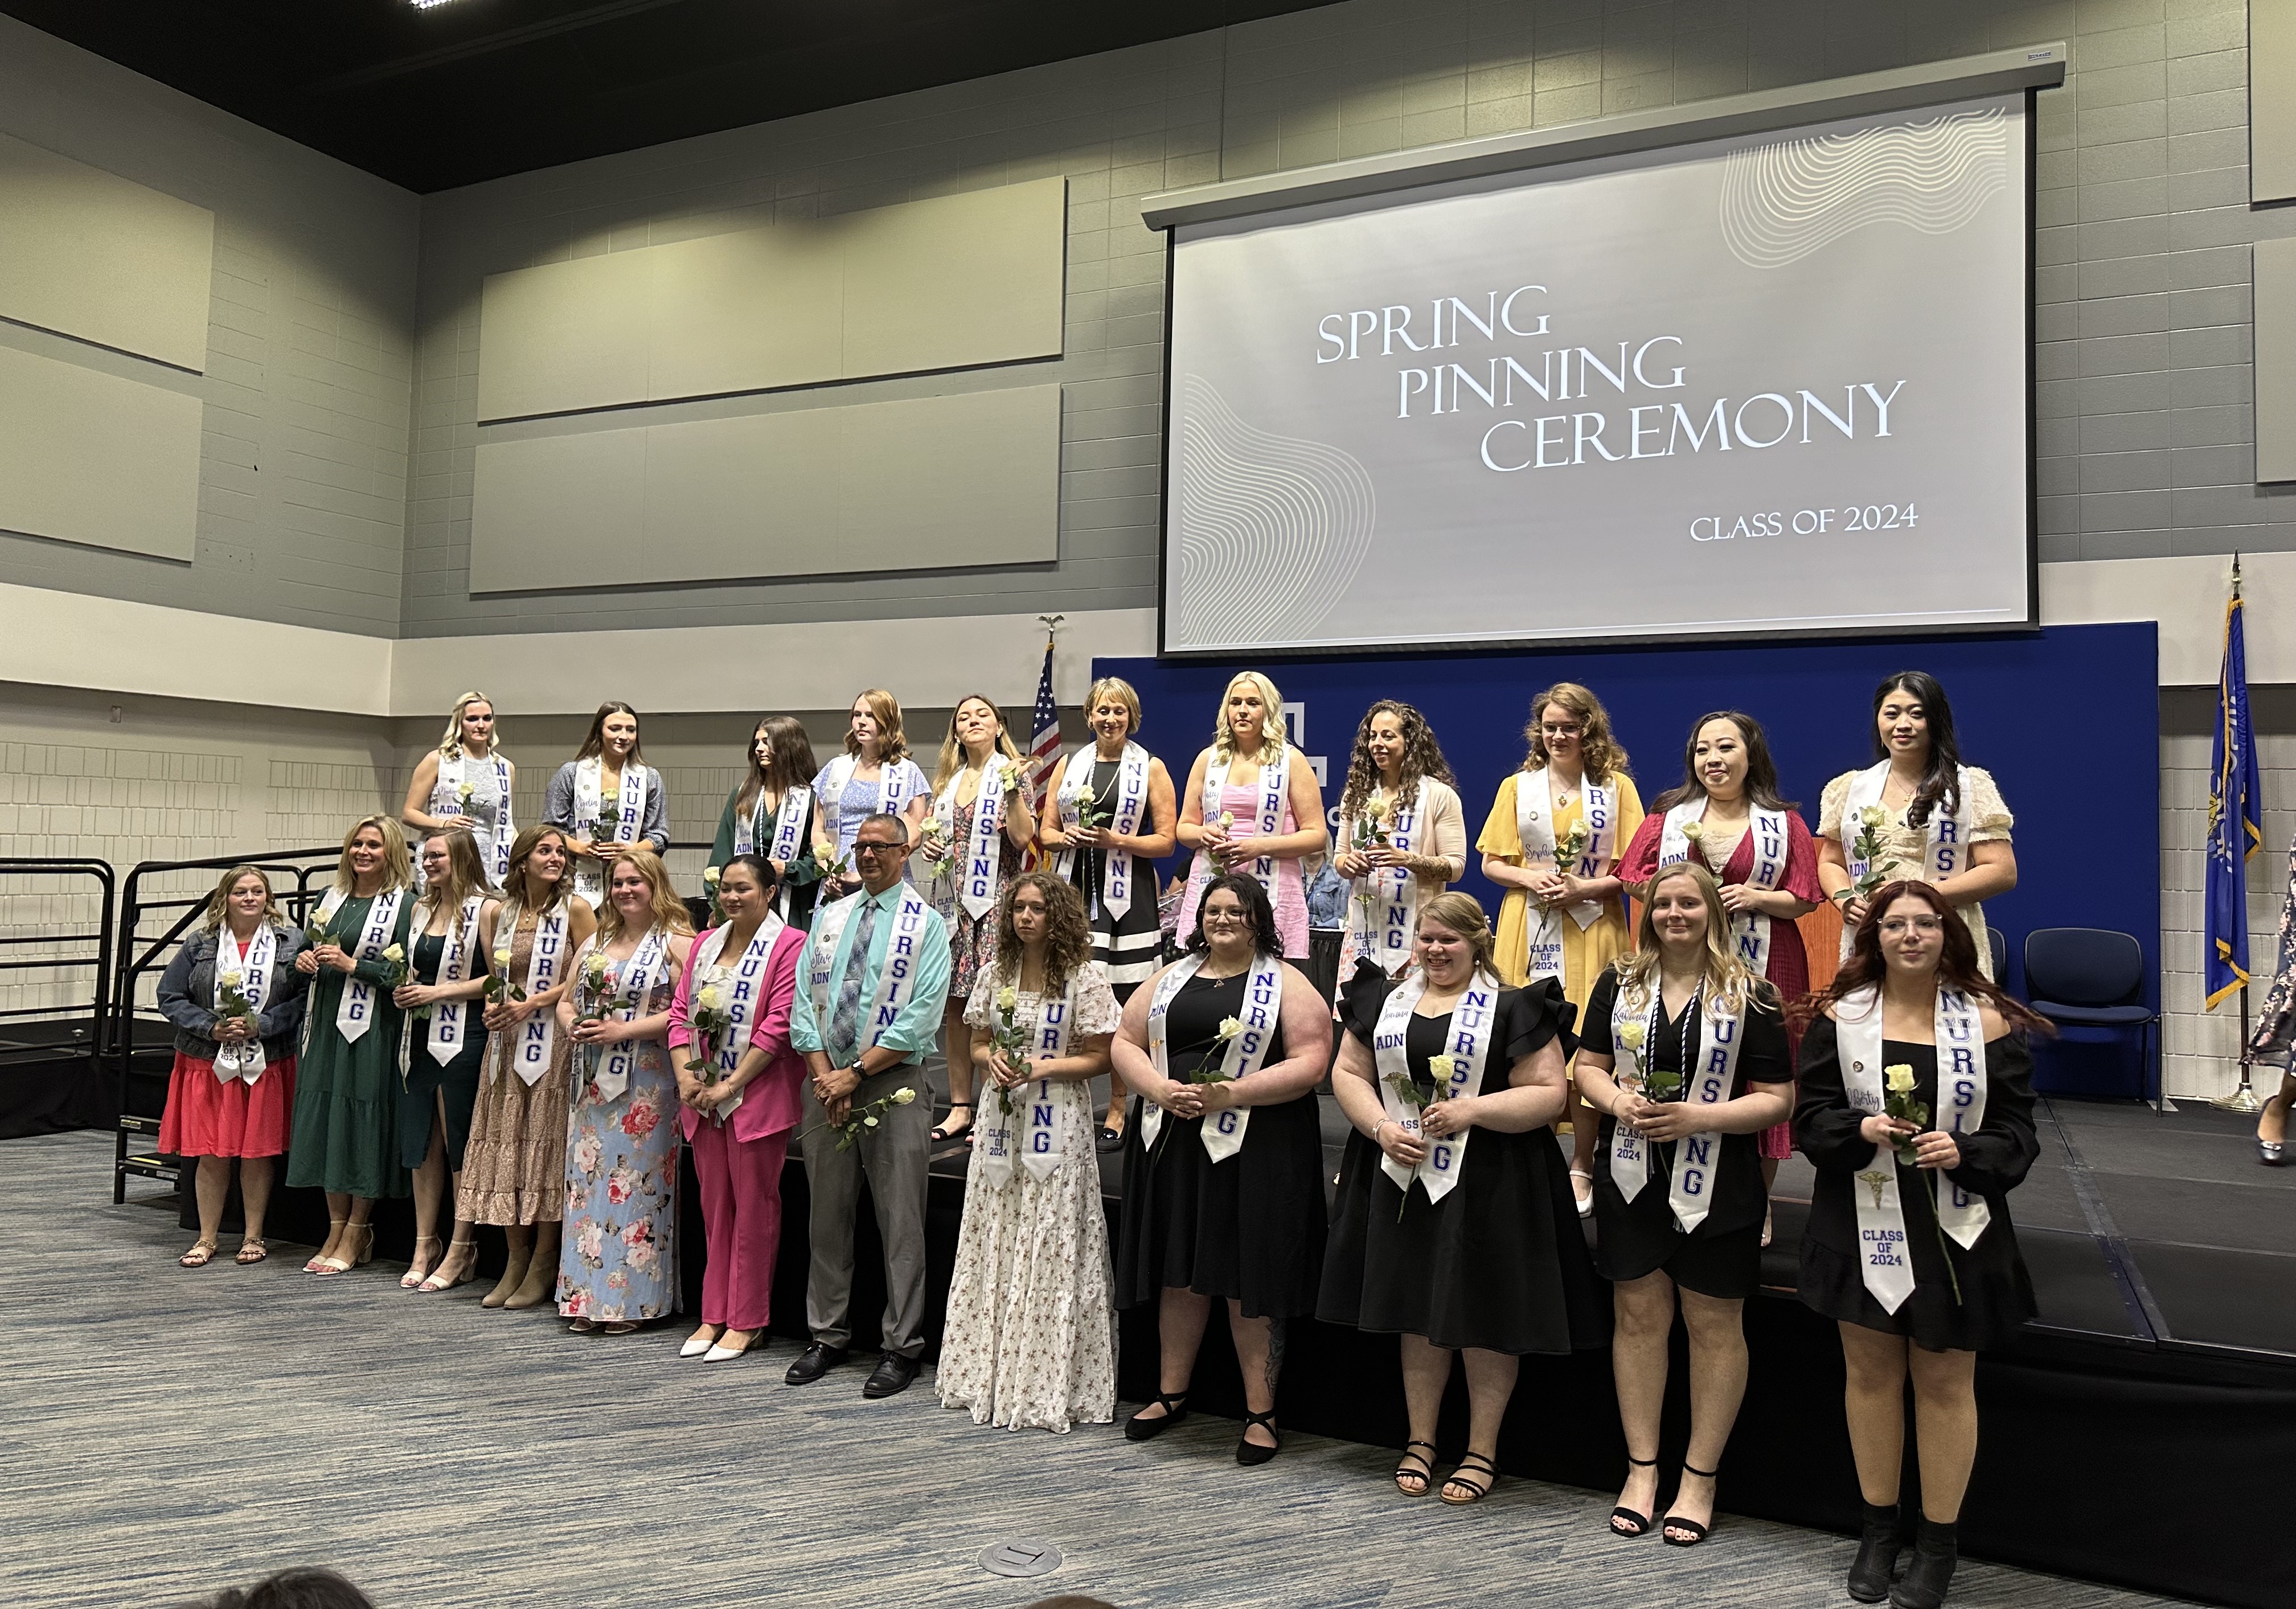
point(1674, 1522)
point(1416, 1466)
point(1473, 1464)
point(1176, 1408)
point(1249, 1452)
point(1639, 1522)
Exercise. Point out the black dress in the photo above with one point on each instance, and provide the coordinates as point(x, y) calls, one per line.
point(458, 1080)
point(1722, 1258)
point(1251, 1227)
point(1499, 1262)
point(1997, 1294)
point(1131, 946)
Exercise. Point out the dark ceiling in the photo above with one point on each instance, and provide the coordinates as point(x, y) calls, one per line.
point(473, 89)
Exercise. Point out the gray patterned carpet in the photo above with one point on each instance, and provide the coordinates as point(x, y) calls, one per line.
point(169, 1431)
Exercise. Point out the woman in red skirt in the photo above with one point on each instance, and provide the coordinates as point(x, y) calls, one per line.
point(1727, 816)
point(236, 1002)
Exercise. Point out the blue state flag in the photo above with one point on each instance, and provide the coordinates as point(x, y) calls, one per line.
point(2235, 805)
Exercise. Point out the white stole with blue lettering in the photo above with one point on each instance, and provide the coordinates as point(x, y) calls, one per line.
point(1263, 1003)
point(1034, 1130)
point(1534, 830)
point(1766, 831)
point(1475, 1022)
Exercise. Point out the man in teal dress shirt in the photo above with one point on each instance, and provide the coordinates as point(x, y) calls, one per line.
point(861, 1054)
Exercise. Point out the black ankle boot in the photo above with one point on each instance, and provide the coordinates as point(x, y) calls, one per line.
point(1930, 1570)
point(1878, 1543)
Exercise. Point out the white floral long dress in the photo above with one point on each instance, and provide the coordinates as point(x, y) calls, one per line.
point(619, 1259)
point(1031, 1336)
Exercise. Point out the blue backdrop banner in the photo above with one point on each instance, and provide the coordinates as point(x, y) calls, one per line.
point(2067, 720)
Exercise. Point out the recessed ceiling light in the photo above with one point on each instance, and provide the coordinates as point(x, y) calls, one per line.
point(424, 6)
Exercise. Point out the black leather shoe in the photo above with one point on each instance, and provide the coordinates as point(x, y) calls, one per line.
point(1878, 1546)
point(891, 1376)
point(813, 1362)
point(1108, 1141)
point(1930, 1570)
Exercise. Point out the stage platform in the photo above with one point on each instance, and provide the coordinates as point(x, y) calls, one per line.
point(2156, 1393)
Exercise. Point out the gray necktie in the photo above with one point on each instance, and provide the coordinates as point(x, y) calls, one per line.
point(845, 1021)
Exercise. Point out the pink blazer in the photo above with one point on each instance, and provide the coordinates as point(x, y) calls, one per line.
point(770, 1102)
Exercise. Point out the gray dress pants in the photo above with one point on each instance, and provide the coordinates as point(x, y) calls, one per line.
point(893, 1155)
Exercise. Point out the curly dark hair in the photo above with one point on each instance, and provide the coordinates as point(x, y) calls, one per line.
point(1423, 755)
point(1068, 936)
point(1864, 967)
point(1259, 914)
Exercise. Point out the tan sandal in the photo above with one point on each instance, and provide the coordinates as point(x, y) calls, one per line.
point(413, 1278)
point(252, 1250)
point(202, 1252)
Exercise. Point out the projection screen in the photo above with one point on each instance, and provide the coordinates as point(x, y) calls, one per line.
point(1753, 386)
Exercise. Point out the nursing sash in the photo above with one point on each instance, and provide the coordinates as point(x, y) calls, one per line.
point(1534, 829)
point(742, 985)
point(1474, 1022)
point(1889, 1270)
point(1131, 801)
point(1385, 910)
point(1947, 848)
point(529, 1053)
point(896, 980)
point(251, 976)
point(449, 1017)
point(1274, 784)
point(1698, 1156)
point(456, 794)
point(1033, 1130)
point(1766, 834)
point(1263, 1000)
point(892, 790)
point(981, 872)
point(589, 797)
point(789, 826)
point(355, 1012)
point(610, 1065)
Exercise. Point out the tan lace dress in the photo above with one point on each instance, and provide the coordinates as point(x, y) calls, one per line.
point(515, 1165)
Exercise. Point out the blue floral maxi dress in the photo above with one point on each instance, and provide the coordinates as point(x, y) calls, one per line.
point(618, 1260)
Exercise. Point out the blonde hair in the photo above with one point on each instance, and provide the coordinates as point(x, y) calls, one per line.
point(953, 758)
point(451, 745)
point(466, 872)
point(219, 903)
point(1464, 915)
point(668, 911)
point(1598, 751)
point(398, 868)
point(1729, 982)
point(892, 744)
point(1271, 714)
point(1115, 688)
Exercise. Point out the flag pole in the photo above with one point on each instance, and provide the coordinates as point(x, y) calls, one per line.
point(2242, 1098)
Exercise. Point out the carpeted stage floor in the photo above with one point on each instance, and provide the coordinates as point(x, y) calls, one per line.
point(171, 1431)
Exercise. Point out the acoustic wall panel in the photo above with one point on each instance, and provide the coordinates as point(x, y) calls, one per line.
point(86, 253)
point(92, 458)
point(2275, 359)
point(951, 283)
point(2271, 100)
point(926, 483)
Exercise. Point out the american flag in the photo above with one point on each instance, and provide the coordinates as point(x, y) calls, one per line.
point(1044, 745)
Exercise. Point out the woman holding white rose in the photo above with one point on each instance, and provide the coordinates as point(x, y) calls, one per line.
point(607, 799)
point(1685, 1056)
point(1253, 805)
point(1571, 801)
point(345, 1135)
point(1453, 1228)
point(235, 996)
point(1110, 816)
point(738, 1109)
point(1916, 1109)
point(618, 1266)
point(443, 1048)
point(465, 783)
point(1403, 835)
point(1032, 1336)
point(774, 813)
point(1223, 1167)
point(1916, 813)
point(983, 817)
point(514, 1161)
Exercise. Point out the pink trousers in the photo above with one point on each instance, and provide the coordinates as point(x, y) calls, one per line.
point(741, 1218)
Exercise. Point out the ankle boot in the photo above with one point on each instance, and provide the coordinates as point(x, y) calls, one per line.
point(1878, 1543)
point(535, 1289)
point(513, 1276)
point(1929, 1572)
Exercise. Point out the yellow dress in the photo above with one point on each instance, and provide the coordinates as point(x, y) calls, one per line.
point(1585, 951)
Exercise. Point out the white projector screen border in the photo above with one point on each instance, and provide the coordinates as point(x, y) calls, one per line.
point(1363, 188)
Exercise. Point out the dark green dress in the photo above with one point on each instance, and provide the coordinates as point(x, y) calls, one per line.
point(794, 899)
point(457, 1080)
point(345, 1133)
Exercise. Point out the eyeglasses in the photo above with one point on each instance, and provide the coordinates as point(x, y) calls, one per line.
point(1212, 917)
point(1920, 924)
point(861, 848)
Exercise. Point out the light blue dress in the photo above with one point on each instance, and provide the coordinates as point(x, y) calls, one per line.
point(618, 1259)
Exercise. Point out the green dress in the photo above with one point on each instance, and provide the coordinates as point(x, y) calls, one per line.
point(345, 1134)
point(793, 901)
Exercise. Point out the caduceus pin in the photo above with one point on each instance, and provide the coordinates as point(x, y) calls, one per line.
point(1877, 1181)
